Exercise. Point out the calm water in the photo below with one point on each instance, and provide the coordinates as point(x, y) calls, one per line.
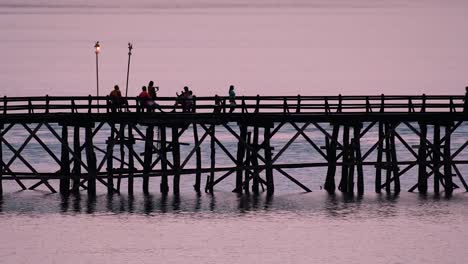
point(261, 46)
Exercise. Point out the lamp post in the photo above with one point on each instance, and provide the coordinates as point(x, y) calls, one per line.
point(130, 47)
point(97, 49)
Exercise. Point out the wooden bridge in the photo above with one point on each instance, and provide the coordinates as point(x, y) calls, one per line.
point(341, 122)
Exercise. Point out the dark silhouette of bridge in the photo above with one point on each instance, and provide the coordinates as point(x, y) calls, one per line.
point(340, 122)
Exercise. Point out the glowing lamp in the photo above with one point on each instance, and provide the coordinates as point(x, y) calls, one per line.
point(97, 47)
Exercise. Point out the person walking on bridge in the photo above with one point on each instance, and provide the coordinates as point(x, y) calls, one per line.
point(232, 98)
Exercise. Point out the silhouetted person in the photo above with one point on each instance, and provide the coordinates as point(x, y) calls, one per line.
point(116, 98)
point(144, 97)
point(189, 102)
point(232, 98)
point(182, 98)
point(152, 90)
point(465, 106)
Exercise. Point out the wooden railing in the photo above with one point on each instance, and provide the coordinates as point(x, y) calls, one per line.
point(244, 104)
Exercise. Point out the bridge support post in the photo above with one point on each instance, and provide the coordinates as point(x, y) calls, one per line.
point(198, 159)
point(268, 163)
point(436, 157)
point(1, 160)
point(164, 187)
point(422, 156)
point(247, 163)
point(147, 157)
point(358, 158)
point(122, 146)
point(388, 159)
point(343, 187)
point(91, 160)
point(331, 154)
point(393, 154)
point(448, 162)
point(76, 160)
point(256, 176)
point(64, 163)
point(110, 159)
point(212, 159)
point(131, 162)
point(240, 157)
point(378, 166)
point(176, 160)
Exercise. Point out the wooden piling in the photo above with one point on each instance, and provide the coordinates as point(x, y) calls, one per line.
point(448, 162)
point(122, 153)
point(358, 158)
point(131, 162)
point(76, 160)
point(343, 187)
point(149, 138)
point(331, 154)
point(393, 155)
point(240, 157)
point(198, 159)
point(352, 161)
point(164, 187)
point(247, 163)
point(212, 158)
point(176, 160)
point(268, 163)
point(378, 167)
point(388, 159)
point(1, 160)
point(110, 159)
point(255, 180)
point(436, 158)
point(91, 160)
point(64, 163)
point(422, 157)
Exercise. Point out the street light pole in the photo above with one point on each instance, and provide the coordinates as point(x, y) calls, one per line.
point(130, 47)
point(97, 49)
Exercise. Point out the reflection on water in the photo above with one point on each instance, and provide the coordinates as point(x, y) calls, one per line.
point(230, 228)
point(225, 204)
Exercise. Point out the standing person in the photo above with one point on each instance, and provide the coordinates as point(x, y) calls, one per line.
point(116, 98)
point(144, 97)
point(152, 90)
point(232, 98)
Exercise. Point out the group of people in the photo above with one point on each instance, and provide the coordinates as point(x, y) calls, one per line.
point(185, 100)
point(148, 96)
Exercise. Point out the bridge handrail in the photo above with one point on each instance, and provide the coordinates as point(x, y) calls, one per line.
point(257, 104)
